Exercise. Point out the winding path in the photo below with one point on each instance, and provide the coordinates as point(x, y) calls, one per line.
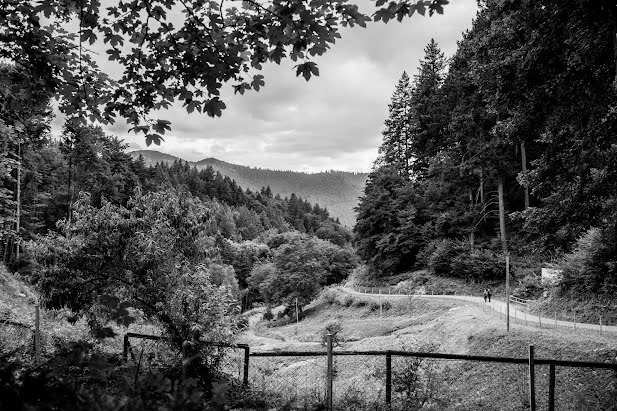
point(518, 312)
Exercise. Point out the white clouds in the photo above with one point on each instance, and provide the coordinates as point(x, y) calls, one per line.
point(334, 121)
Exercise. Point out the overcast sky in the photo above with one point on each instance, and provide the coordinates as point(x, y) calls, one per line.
point(333, 121)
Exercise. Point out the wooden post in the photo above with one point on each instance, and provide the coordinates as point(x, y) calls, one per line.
point(380, 307)
point(37, 334)
point(296, 310)
point(600, 325)
point(551, 388)
point(526, 319)
point(125, 350)
point(507, 293)
point(575, 320)
point(329, 375)
point(245, 380)
point(540, 320)
point(555, 319)
point(532, 381)
point(388, 379)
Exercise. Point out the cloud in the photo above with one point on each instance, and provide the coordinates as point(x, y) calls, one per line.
point(334, 121)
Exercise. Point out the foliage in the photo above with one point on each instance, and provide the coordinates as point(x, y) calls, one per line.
point(592, 266)
point(163, 57)
point(335, 329)
point(151, 256)
point(301, 267)
point(527, 104)
point(454, 259)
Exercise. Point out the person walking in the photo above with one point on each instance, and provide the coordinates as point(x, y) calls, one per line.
point(485, 294)
point(488, 293)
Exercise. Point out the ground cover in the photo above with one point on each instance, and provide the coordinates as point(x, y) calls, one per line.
point(440, 326)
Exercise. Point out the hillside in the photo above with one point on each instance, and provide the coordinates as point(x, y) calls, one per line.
point(338, 191)
point(445, 326)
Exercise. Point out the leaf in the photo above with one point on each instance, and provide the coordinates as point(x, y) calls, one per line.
point(153, 138)
point(161, 126)
point(307, 69)
point(214, 107)
point(258, 82)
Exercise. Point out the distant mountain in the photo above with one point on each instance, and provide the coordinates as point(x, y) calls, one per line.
point(338, 191)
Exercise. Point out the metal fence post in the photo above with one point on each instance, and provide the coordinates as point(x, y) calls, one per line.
point(329, 375)
point(532, 381)
point(388, 378)
point(245, 380)
point(551, 388)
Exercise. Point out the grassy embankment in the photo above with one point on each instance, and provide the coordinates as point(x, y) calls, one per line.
point(17, 304)
point(438, 326)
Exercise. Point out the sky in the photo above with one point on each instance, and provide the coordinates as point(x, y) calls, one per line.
point(332, 122)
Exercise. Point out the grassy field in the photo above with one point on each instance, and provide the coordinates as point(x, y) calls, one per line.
point(438, 326)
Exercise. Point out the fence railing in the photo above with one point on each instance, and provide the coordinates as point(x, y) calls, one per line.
point(521, 301)
point(404, 379)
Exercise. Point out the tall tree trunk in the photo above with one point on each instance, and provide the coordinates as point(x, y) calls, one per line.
point(471, 234)
point(524, 167)
point(18, 198)
point(502, 216)
point(70, 189)
point(504, 245)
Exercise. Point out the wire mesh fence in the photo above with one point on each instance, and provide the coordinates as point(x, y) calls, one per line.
point(371, 380)
point(289, 381)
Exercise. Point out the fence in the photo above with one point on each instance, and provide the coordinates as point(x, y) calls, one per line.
point(348, 380)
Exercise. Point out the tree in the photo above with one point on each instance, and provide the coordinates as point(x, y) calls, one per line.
point(149, 256)
point(428, 118)
point(163, 60)
point(395, 149)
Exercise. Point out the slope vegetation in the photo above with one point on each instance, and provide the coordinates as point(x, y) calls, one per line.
point(338, 191)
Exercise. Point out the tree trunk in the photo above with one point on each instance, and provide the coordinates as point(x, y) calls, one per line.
point(524, 167)
point(70, 189)
point(18, 201)
point(502, 216)
point(504, 246)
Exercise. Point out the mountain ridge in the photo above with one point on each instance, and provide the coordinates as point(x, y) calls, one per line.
point(338, 191)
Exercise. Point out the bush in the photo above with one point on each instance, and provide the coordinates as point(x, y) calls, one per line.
point(335, 328)
point(441, 257)
point(478, 264)
point(592, 266)
point(455, 259)
point(268, 316)
point(349, 300)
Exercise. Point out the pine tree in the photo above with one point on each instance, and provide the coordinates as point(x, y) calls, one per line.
point(428, 114)
point(394, 150)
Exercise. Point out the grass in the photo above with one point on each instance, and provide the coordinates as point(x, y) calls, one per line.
point(420, 282)
point(444, 326)
point(586, 308)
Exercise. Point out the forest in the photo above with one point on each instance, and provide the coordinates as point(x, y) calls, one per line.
point(505, 149)
point(520, 124)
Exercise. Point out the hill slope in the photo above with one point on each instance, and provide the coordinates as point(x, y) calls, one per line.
point(338, 191)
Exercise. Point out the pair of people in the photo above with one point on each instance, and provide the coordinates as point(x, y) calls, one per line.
point(487, 294)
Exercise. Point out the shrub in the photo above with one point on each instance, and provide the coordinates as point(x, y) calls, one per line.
point(335, 328)
point(479, 264)
point(349, 300)
point(441, 257)
point(268, 316)
point(373, 305)
point(592, 266)
point(386, 305)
